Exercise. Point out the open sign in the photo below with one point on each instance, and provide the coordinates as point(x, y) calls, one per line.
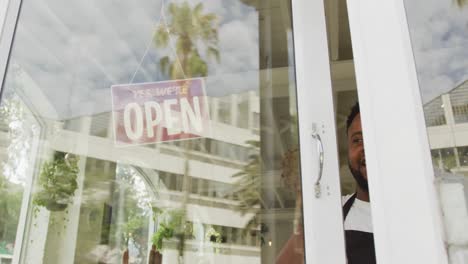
point(147, 113)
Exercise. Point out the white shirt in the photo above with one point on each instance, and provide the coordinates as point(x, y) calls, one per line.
point(359, 216)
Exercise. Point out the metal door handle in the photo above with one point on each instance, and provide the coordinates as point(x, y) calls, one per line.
point(320, 151)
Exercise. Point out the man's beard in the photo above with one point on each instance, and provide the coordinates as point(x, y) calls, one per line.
point(361, 181)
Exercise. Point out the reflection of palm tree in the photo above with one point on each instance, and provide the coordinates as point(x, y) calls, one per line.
point(248, 186)
point(461, 3)
point(188, 27)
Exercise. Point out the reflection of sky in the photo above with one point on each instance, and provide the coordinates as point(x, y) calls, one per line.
point(75, 50)
point(439, 34)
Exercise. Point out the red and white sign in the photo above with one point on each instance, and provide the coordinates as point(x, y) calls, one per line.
point(147, 113)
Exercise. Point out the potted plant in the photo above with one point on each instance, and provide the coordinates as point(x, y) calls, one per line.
point(172, 225)
point(214, 237)
point(165, 231)
point(130, 230)
point(57, 182)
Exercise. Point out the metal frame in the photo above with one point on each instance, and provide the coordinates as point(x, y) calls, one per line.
point(9, 11)
point(405, 211)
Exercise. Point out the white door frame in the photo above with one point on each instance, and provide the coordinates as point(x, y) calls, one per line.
point(405, 211)
point(9, 11)
point(323, 220)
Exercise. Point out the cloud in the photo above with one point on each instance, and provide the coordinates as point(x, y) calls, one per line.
point(237, 38)
point(440, 43)
point(74, 51)
point(232, 83)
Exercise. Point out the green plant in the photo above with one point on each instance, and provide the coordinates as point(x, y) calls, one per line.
point(215, 237)
point(172, 224)
point(57, 182)
point(164, 232)
point(131, 227)
point(189, 27)
point(10, 206)
point(461, 3)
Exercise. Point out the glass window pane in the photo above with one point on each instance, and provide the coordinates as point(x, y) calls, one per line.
point(19, 136)
point(459, 99)
point(434, 113)
point(440, 40)
point(151, 128)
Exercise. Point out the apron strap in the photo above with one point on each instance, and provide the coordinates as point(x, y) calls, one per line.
point(359, 245)
point(347, 205)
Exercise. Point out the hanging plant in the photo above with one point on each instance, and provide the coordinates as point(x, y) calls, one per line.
point(215, 237)
point(172, 224)
point(155, 256)
point(57, 182)
point(164, 232)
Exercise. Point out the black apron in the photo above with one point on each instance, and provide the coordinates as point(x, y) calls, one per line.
point(359, 245)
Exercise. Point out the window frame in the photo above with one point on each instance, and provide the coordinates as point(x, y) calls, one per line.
point(405, 210)
point(9, 12)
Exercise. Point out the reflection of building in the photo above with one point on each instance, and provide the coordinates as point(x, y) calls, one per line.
point(213, 161)
point(65, 109)
point(212, 202)
point(447, 124)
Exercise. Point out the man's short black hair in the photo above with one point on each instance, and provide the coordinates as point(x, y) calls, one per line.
point(354, 112)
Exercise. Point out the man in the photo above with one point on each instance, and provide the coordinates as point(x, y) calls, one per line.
point(356, 209)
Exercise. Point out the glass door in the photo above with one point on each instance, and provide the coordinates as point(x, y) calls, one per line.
point(170, 132)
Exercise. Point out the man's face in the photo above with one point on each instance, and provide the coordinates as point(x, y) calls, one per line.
point(356, 157)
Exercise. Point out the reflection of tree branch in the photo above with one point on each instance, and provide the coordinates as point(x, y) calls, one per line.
point(248, 186)
point(461, 3)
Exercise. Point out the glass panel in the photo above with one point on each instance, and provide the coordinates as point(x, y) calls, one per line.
point(19, 138)
point(434, 112)
point(459, 99)
point(141, 130)
point(440, 39)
